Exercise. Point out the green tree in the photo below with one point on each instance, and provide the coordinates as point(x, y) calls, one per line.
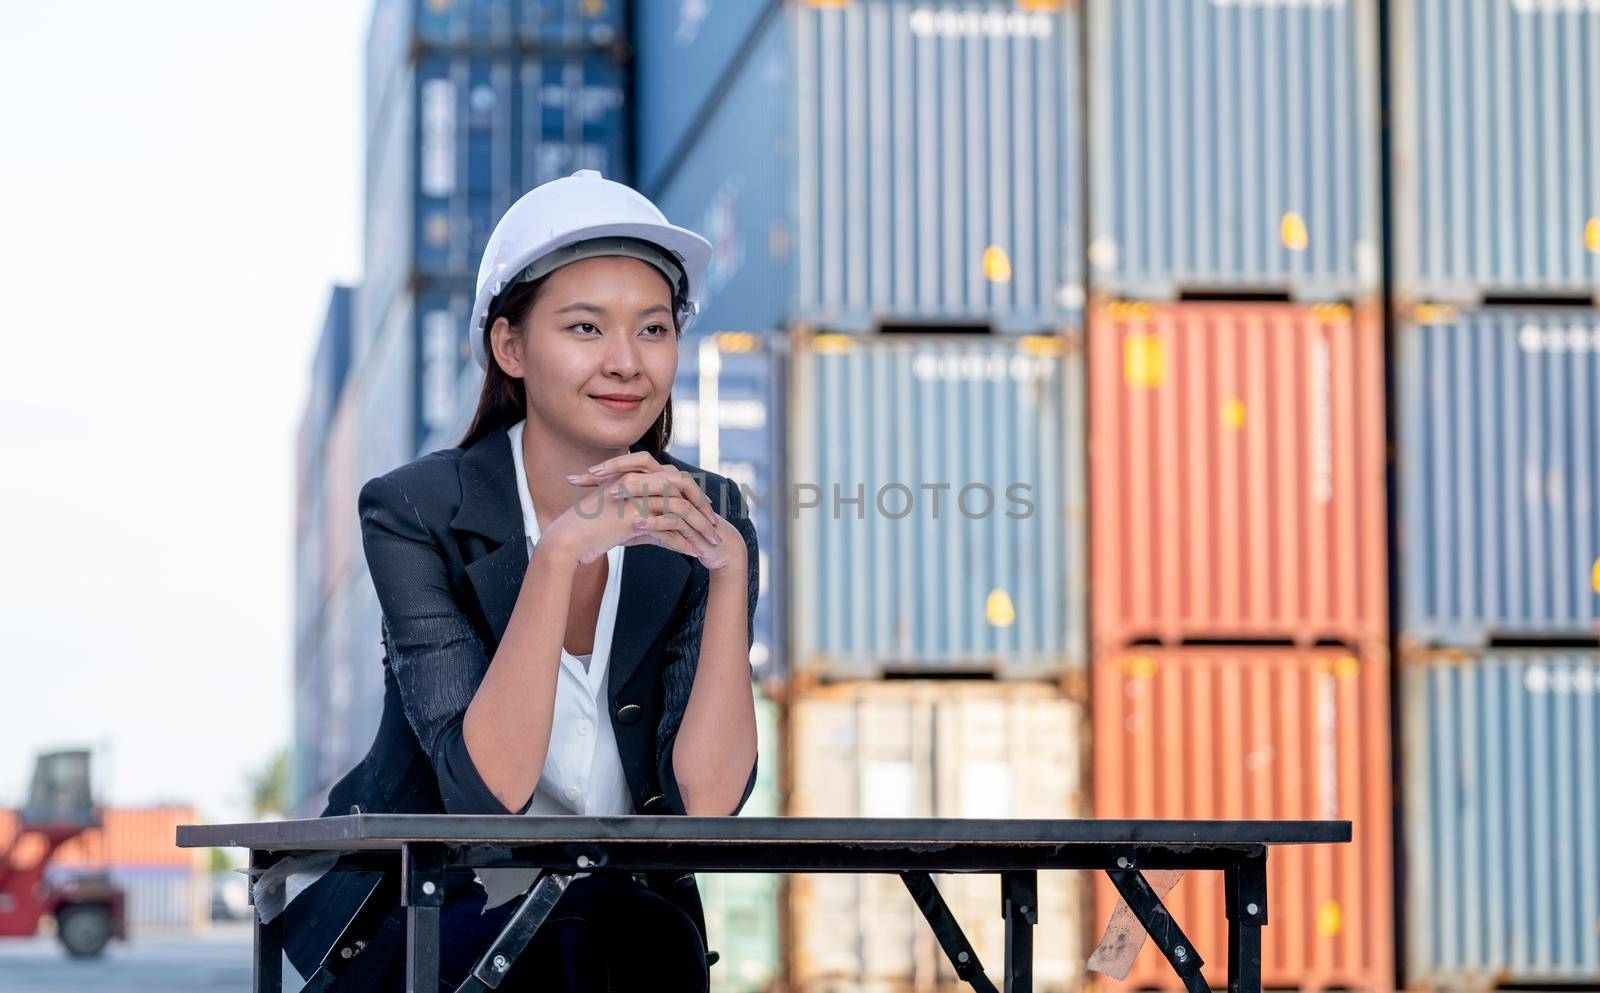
point(269, 786)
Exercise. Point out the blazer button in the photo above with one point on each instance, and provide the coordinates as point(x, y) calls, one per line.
point(630, 713)
point(655, 803)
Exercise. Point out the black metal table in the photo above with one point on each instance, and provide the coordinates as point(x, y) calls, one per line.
point(415, 850)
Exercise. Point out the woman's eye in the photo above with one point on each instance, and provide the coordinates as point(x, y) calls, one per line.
point(584, 324)
point(657, 329)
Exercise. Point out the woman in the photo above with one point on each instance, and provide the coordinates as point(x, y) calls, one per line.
point(566, 608)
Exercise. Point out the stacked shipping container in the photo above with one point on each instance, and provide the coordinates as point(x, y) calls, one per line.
point(1237, 495)
point(1497, 246)
point(908, 167)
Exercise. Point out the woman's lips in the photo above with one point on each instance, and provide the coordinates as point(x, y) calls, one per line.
point(619, 403)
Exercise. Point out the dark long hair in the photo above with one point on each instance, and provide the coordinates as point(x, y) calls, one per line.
point(504, 399)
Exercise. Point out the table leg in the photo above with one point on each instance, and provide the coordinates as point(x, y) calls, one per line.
point(947, 930)
point(1158, 923)
point(1019, 903)
point(266, 967)
point(422, 890)
point(1245, 885)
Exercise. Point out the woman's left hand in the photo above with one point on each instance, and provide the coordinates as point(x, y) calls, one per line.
point(678, 514)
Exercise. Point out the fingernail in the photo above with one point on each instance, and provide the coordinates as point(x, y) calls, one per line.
point(638, 522)
point(572, 477)
point(597, 468)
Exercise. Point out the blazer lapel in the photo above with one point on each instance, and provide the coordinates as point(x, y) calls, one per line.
point(652, 577)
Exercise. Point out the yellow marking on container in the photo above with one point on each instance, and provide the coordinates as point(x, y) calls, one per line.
point(1330, 919)
point(1335, 314)
point(592, 8)
point(1434, 313)
point(1044, 6)
point(1292, 232)
point(1138, 666)
point(1346, 667)
point(1128, 310)
point(736, 341)
point(1233, 414)
point(999, 609)
point(1144, 361)
point(1044, 345)
point(996, 264)
point(1594, 576)
point(832, 344)
point(1591, 235)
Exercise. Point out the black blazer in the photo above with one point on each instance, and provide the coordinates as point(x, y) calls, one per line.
point(447, 552)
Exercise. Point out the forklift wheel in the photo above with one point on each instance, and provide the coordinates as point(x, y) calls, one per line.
point(84, 930)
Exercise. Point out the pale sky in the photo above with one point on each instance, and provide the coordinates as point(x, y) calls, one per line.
point(180, 183)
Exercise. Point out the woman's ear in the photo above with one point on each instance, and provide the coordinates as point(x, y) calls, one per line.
point(505, 344)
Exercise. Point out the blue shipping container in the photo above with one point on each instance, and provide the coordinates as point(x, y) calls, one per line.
point(467, 137)
point(401, 29)
point(1499, 474)
point(1496, 148)
point(892, 163)
point(728, 410)
point(328, 368)
point(1502, 803)
point(682, 48)
point(1234, 147)
point(934, 499)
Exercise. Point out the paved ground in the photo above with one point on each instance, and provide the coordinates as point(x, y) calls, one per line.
point(210, 961)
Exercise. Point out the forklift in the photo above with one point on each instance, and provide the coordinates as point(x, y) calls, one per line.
point(88, 909)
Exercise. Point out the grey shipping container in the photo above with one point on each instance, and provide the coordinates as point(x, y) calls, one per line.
point(1496, 148)
point(1499, 474)
point(892, 163)
point(935, 505)
point(1234, 147)
point(681, 50)
point(401, 29)
point(728, 408)
point(464, 138)
point(1502, 804)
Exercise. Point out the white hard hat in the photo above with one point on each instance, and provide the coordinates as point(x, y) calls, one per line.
point(580, 208)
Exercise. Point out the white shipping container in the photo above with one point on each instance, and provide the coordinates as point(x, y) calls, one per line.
point(931, 748)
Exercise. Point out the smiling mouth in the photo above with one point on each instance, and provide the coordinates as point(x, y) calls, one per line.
point(618, 401)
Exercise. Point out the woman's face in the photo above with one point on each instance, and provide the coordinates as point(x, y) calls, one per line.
point(598, 352)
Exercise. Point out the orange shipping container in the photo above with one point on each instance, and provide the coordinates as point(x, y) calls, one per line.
point(1236, 473)
point(1258, 733)
point(128, 836)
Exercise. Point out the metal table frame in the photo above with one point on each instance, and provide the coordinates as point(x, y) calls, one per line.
point(415, 850)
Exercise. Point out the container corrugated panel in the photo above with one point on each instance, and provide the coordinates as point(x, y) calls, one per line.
point(1502, 760)
point(328, 368)
point(341, 527)
point(963, 546)
point(385, 394)
point(1237, 473)
point(893, 163)
point(1258, 733)
point(681, 50)
point(398, 29)
point(1499, 473)
point(931, 748)
point(133, 835)
point(1234, 146)
point(467, 137)
point(728, 405)
point(741, 908)
point(1496, 148)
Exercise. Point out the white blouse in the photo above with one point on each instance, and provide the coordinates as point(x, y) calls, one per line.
point(582, 767)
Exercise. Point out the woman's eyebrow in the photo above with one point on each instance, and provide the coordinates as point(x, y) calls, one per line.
point(596, 309)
